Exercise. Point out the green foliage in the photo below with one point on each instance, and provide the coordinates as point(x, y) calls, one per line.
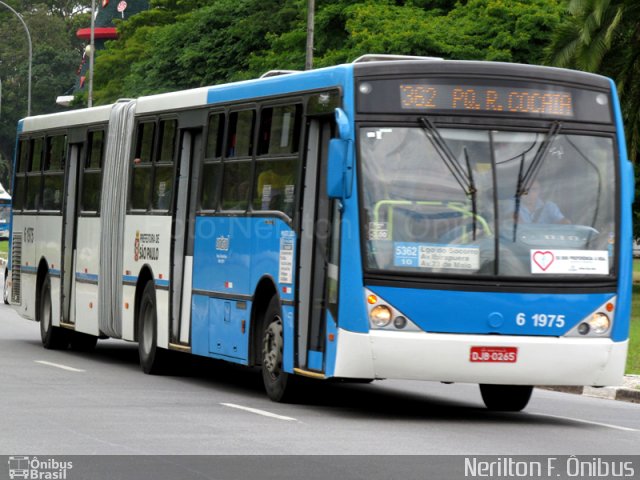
point(55, 59)
point(161, 51)
point(603, 36)
point(498, 30)
point(633, 357)
point(503, 30)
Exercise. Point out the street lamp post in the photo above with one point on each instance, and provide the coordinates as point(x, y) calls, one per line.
point(310, 30)
point(30, 54)
point(92, 47)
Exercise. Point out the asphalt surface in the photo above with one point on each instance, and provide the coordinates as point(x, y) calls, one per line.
point(64, 402)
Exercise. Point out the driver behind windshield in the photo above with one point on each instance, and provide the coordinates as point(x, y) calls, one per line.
point(534, 209)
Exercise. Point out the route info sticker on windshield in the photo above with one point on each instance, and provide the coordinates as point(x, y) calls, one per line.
point(573, 262)
point(421, 255)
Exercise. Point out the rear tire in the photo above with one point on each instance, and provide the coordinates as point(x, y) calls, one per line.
point(506, 398)
point(153, 359)
point(83, 342)
point(278, 384)
point(53, 338)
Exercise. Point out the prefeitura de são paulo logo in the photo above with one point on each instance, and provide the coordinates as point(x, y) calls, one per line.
point(38, 469)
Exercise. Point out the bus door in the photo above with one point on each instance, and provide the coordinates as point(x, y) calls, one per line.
point(188, 167)
point(69, 224)
point(319, 240)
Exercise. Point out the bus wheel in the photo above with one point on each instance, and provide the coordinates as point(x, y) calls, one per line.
point(505, 398)
point(5, 290)
point(277, 383)
point(152, 358)
point(82, 342)
point(53, 338)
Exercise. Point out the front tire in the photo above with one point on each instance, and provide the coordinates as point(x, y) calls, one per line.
point(53, 338)
point(153, 359)
point(278, 384)
point(506, 398)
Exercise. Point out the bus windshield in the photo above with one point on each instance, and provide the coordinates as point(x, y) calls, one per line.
point(488, 202)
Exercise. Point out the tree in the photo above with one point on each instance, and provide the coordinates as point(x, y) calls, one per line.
point(55, 58)
point(603, 36)
point(515, 31)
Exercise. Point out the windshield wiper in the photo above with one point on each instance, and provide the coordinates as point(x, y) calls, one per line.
point(525, 181)
point(464, 179)
point(473, 190)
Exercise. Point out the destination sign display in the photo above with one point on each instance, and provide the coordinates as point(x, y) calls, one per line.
point(486, 98)
point(494, 97)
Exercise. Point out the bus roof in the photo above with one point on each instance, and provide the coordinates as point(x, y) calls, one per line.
point(299, 81)
point(247, 89)
point(65, 119)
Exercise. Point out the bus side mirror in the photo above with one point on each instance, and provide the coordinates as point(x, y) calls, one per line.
point(340, 167)
point(338, 152)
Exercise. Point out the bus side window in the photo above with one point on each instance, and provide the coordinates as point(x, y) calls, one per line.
point(34, 175)
point(163, 166)
point(92, 173)
point(275, 185)
point(280, 130)
point(20, 177)
point(143, 167)
point(236, 185)
point(236, 182)
point(53, 177)
point(240, 134)
point(212, 167)
point(278, 164)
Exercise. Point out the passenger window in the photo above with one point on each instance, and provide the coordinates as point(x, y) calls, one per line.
point(240, 135)
point(96, 148)
point(236, 185)
point(280, 130)
point(141, 188)
point(167, 140)
point(144, 145)
point(36, 155)
point(20, 182)
point(142, 176)
point(33, 192)
point(163, 166)
point(92, 174)
point(17, 199)
point(210, 185)
point(152, 180)
point(56, 153)
point(275, 187)
point(163, 186)
point(23, 164)
point(53, 185)
point(215, 130)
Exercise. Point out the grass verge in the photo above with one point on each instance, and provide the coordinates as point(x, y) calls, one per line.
point(633, 357)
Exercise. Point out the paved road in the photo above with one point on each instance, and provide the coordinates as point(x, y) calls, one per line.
point(62, 403)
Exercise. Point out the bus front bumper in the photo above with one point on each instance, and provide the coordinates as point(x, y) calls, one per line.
point(447, 358)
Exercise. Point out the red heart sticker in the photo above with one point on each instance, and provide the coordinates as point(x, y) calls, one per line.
point(543, 259)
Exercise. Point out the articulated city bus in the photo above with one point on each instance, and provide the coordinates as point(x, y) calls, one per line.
point(409, 218)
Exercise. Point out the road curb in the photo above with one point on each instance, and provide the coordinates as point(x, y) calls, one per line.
point(612, 393)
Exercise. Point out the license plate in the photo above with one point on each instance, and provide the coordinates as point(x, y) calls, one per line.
point(494, 354)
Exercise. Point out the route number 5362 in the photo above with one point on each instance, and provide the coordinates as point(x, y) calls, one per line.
point(540, 320)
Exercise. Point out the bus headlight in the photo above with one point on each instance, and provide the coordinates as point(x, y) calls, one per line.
point(380, 316)
point(599, 323)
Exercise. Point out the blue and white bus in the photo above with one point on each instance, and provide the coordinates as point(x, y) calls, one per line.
point(409, 218)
